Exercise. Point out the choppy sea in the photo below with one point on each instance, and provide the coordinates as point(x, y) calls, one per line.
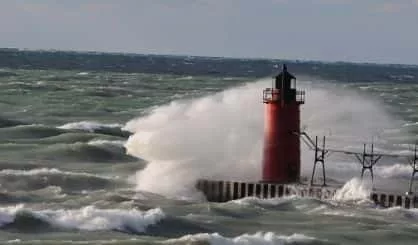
point(105, 149)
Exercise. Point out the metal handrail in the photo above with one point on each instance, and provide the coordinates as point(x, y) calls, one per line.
point(273, 95)
point(300, 96)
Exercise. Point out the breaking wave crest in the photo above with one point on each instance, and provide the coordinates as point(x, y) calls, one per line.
point(92, 151)
point(285, 203)
point(5, 122)
point(34, 131)
point(96, 127)
point(354, 190)
point(396, 212)
point(260, 238)
point(87, 218)
point(50, 133)
point(394, 171)
point(36, 179)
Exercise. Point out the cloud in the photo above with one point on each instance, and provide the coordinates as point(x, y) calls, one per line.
point(97, 7)
point(391, 7)
point(334, 1)
point(395, 7)
point(318, 1)
point(34, 7)
point(42, 8)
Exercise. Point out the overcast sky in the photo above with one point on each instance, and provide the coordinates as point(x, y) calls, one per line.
point(382, 31)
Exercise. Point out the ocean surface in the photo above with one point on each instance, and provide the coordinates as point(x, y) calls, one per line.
point(105, 149)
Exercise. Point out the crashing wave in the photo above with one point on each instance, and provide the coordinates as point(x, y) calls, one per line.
point(87, 218)
point(260, 238)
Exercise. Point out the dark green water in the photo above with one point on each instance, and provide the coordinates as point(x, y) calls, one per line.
point(109, 156)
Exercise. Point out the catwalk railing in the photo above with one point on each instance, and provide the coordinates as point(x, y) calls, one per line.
point(367, 159)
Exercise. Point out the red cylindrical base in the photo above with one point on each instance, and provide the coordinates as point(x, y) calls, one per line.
point(281, 155)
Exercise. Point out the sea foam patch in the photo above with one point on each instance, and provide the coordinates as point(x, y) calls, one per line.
point(88, 218)
point(260, 238)
point(89, 126)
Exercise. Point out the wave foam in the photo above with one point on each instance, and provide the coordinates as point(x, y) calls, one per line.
point(260, 238)
point(89, 218)
point(259, 201)
point(400, 212)
point(88, 126)
point(354, 190)
point(394, 171)
point(118, 143)
point(47, 171)
point(37, 179)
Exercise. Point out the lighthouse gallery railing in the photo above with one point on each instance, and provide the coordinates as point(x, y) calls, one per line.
point(273, 95)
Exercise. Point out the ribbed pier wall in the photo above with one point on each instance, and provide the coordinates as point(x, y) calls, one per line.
point(223, 191)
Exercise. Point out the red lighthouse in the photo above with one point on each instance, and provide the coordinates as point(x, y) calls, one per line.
point(281, 156)
point(281, 153)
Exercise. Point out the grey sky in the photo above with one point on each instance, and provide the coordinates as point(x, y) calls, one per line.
point(382, 31)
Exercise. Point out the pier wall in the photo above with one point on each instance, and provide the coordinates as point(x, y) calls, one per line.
point(223, 191)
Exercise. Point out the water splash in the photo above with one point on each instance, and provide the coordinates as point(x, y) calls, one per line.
point(220, 136)
point(354, 190)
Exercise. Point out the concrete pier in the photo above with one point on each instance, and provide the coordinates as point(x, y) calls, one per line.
point(224, 191)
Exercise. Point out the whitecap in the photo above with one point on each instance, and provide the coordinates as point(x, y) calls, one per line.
point(47, 171)
point(261, 201)
point(107, 142)
point(90, 218)
point(259, 238)
point(89, 126)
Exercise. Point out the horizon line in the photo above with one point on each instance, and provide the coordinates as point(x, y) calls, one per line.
point(209, 56)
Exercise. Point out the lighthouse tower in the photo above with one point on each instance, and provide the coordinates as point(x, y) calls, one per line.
point(281, 153)
point(281, 156)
